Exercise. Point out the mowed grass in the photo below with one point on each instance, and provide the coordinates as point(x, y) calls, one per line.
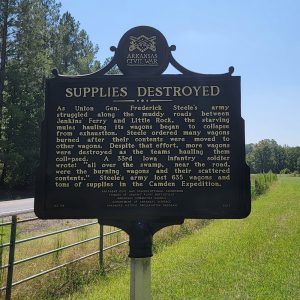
point(254, 258)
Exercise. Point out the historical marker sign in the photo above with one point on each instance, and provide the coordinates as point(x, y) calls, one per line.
point(143, 145)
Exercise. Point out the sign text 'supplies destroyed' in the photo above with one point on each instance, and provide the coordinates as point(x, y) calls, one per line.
point(143, 145)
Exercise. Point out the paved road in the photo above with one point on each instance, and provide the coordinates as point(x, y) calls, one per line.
point(7, 207)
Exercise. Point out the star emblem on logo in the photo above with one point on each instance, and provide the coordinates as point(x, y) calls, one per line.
point(142, 43)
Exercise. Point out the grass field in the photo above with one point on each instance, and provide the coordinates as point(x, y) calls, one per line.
point(71, 278)
point(254, 258)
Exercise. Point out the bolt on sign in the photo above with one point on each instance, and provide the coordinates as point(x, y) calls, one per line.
point(143, 145)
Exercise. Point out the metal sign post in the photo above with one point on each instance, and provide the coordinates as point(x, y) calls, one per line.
point(140, 278)
point(140, 251)
point(140, 243)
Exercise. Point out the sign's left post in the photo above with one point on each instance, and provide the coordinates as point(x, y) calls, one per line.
point(140, 278)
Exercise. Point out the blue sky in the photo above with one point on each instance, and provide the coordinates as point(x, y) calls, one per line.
point(260, 38)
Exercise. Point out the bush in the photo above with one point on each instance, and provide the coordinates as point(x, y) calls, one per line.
point(261, 183)
point(285, 171)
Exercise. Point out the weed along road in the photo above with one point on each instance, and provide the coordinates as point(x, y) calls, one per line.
point(16, 206)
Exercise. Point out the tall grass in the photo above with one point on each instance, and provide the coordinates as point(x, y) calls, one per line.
point(260, 183)
point(73, 277)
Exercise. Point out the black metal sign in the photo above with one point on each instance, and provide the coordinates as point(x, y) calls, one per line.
point(143, 145)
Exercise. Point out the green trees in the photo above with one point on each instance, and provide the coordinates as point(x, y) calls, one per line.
point(73, 53)
point(292, 155)
point(298, 164)
point(267, 156)
point(8, 10)
point(34, 40)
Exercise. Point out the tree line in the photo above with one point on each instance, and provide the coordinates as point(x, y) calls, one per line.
point(34, 38)
point(267, 156)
